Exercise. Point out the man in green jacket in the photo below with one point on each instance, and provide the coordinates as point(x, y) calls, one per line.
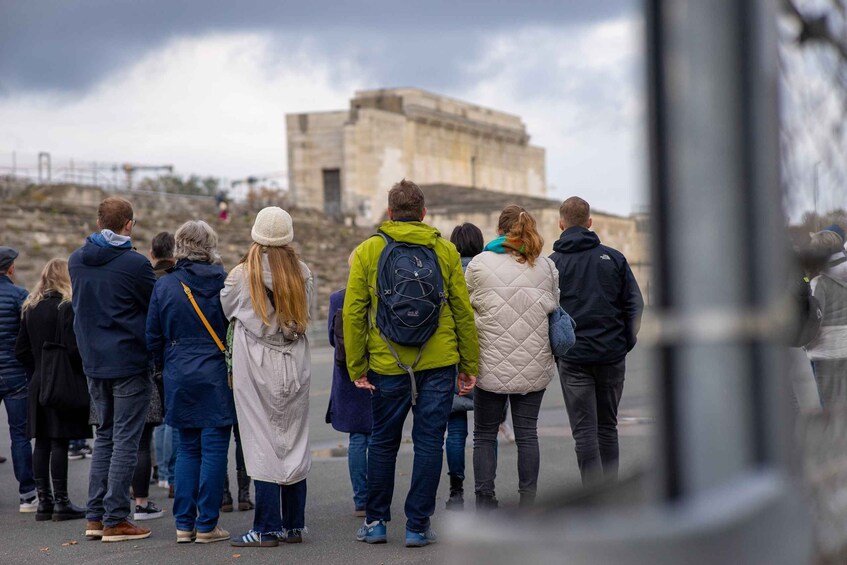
point(372, 366)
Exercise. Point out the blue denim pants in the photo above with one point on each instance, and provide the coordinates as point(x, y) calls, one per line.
point(279, 507)
point(454, 447)
point(357, 463)
point(13, 393)
point(164, 438)
point(121, 406)
point(390, 404)
point(199, 481)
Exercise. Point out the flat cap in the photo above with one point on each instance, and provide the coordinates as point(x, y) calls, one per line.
point(7, 257)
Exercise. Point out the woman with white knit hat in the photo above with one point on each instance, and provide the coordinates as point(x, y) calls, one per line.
point(267, 297)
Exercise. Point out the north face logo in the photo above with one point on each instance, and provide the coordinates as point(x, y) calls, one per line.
point(605, 257)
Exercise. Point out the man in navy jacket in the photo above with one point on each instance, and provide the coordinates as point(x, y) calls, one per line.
point(13, 379)
point(597, 288)
point(112, 285)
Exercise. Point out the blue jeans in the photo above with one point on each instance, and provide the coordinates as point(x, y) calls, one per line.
point(279, 507)
point(454, 447)
point(390, 404)
point(13, 393)
point(200, 472)
point(164, 438)
point(357, 463)
point(121, 406)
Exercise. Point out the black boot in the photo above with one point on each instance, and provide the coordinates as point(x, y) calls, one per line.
point(244, 502)
point(226, 501)
point(485, 503)
point(63, 508)
point(527, 500)
point(457, 494)
point(45, 500)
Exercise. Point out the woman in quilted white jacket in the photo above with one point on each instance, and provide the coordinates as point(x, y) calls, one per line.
point(513, 290)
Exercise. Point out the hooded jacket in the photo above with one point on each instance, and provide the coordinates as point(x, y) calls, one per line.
point(111, 293)
point(455, 340)
point(11, 300)
point(599, 291)
point(197, 392)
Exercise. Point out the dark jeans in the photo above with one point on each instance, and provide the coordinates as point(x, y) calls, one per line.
point(357, 464)
point(454, 447)
point(390, 404)
point(13, 393)
point(592, 394)
point(143, 466)
point(50, 457)
point(121, 406)
point(279, 507)
point(488, 415)
point(200, 472)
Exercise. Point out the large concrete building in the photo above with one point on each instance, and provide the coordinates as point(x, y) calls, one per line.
point(344, 162)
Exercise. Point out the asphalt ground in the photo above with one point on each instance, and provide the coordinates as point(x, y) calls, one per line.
point(329, 509)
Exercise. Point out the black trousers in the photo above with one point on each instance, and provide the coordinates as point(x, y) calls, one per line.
point(592, 395)
point(50, 457)
point(143, 465)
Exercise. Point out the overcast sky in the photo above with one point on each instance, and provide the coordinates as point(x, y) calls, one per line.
point(205, 85)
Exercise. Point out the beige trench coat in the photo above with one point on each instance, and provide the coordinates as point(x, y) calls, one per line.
point(271, 379)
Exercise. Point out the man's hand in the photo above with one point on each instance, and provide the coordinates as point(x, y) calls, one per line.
point(363, 382)
point(465, 383)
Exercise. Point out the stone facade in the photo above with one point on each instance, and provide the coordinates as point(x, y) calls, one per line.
point(344, 162)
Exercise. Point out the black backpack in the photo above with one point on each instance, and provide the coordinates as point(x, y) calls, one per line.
point(410, 295)
point(410, 292)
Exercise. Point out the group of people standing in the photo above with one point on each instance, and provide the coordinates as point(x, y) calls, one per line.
point(491, 342)
point(227, 352)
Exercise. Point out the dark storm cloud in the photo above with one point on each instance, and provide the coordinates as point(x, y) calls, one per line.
point(68, 45)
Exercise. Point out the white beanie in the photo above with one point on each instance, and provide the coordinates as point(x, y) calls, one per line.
point(273, 227)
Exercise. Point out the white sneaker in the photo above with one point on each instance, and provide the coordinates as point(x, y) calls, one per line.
point(29, 506)
point(162, 484)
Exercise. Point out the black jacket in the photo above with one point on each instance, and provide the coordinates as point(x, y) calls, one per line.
point(44, 322)
point(111, 294)
point(597, 288)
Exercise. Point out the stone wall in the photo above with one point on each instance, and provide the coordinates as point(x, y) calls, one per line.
point(53, 221)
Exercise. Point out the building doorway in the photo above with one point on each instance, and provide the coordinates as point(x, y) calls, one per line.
point(332, 193)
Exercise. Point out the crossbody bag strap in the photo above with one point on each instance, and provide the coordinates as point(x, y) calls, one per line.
point(203, 319)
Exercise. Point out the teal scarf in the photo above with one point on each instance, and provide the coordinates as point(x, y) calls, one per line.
point(502, 245)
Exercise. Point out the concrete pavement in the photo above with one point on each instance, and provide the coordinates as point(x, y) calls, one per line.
point(329, 510)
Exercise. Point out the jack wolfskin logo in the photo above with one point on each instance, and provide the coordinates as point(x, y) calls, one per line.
point(413, 314)
point(605, 257)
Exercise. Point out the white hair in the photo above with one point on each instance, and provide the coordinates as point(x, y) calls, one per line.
point(195, 240)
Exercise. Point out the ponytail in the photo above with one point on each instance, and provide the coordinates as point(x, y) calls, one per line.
point(517, 224)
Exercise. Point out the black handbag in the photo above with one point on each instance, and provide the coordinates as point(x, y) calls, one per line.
point(61, 387)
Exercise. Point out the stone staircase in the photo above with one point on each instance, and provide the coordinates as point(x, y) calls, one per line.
point(52, 221)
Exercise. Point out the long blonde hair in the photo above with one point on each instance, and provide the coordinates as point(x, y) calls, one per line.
point(54, 277)
point(289, 287)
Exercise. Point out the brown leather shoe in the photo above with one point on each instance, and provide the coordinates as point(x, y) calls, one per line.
point(125, 531)
point(94, 530)
point(170, 491)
